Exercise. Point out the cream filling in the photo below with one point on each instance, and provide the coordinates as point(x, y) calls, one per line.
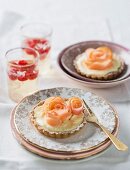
point(67, 125)
point(79, 62)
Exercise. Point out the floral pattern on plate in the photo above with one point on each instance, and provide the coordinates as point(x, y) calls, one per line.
point(88, 137)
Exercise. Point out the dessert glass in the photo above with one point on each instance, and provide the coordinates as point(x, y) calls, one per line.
point(38, 37)
point(22, 72)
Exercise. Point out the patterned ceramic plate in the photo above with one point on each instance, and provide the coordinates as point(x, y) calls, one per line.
point(68, 55)
point(62, 156)
point(88, 138)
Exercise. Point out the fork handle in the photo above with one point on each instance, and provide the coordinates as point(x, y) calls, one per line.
point(118, 144)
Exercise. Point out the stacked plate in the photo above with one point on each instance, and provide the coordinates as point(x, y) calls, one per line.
point(88, 142)
point(67, 56)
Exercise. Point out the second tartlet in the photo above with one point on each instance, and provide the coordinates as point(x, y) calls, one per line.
point(100, 63)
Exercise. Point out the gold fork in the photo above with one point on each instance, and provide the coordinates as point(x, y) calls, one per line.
point(93, 119)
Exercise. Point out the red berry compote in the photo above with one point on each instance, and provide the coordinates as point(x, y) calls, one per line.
point(38, 37)
point(22, 75)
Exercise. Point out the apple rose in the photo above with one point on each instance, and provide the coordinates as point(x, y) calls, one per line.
point(99, 58)
point(53, 118)
point(53, 103)
point(57, 111)
point(56, 103)
point(46, 104)
point(76, 105)
point(58, 116)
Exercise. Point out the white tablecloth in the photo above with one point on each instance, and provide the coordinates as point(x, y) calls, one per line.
point(68, 28)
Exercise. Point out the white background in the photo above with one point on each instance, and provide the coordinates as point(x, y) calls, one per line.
point(65, 13)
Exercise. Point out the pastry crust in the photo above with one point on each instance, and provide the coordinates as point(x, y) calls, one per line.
point(108, 76)
point(54, 134)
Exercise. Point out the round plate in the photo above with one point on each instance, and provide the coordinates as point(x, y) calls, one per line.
point(68, 55)
point(92, 84)
point(87, 139)
point(88, 155)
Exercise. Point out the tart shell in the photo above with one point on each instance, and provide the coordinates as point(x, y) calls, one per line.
point(108, 76)
point(64, 134)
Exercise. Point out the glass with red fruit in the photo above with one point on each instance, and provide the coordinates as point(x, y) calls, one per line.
point(38, 37)
point(22, 72)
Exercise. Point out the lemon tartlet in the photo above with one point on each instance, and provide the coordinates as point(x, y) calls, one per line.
point(58, 117)
point(100, 63)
